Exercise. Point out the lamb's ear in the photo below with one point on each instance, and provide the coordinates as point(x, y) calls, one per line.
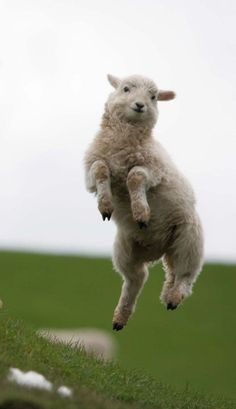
point(114, 81)
point(165, 95)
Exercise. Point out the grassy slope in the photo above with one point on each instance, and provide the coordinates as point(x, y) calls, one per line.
point(194, 345)
point(96, 385)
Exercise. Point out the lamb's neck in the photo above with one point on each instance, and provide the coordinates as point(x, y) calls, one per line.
point(125, 131)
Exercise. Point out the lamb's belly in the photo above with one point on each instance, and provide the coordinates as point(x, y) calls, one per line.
point(119, 185)
point(164, 217)
point(122, 215)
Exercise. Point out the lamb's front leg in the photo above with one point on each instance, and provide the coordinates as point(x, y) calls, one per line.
point(138, 183)
point(99, 174)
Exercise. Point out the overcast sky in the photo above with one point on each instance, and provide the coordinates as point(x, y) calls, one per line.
point(54, 57)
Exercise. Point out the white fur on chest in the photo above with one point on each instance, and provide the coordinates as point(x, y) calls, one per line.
point(121, 161)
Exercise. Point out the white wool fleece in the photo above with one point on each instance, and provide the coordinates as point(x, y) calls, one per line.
point(140, 188)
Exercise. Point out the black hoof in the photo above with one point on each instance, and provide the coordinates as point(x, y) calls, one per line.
point(116, 326)
point(142, 225)
point(106, 215)
point(171, 306)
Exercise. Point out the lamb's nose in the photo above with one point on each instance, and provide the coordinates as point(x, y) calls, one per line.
point(139, 105)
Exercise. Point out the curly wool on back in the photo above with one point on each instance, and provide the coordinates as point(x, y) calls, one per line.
point(152, 203)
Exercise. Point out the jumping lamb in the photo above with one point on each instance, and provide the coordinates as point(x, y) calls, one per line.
point(140, 188)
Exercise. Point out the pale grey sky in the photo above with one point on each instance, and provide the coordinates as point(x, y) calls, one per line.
point(54, 57)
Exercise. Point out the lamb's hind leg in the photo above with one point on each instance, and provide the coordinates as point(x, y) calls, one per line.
point(134, 274)
point(182, 262)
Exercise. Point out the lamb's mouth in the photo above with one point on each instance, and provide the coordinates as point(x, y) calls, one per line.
point(140, 111)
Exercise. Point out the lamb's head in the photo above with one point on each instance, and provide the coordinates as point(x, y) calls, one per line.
point(135, 99)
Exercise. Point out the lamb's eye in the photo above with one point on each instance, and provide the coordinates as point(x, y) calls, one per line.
point(153, 97)
point(126, 89)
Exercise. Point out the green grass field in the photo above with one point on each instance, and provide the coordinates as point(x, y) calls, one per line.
point(95, 385)
point(192, 347)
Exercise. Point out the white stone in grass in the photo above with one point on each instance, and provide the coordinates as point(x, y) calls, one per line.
point(1, 304)
point(29, 379)
point(64, 391)
point(94, 341)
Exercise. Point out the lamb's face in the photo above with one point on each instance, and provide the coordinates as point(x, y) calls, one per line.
point(135, 99)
